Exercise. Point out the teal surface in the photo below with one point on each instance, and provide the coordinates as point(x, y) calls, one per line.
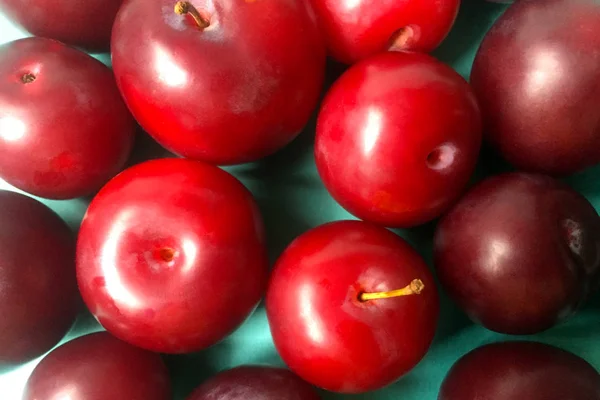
point(293, 200)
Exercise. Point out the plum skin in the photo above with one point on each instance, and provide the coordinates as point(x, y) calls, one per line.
point(38, 291)
point(520, 370)
point(519, 253)
point(537, 80)
point(251, 382)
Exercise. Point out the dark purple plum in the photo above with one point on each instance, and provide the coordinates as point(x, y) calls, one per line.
point(519, 253)
point(537, 79)
point(255, 382)
point(521, 371)
point(86, 24)
point(99, 367)
point(38, 291)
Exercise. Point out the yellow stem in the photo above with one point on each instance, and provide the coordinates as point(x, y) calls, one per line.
point(415, 287)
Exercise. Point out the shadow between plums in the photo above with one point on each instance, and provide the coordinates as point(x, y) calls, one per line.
point(408, 383)
point(276, 183)
point(190, 370)
point(474, 20)
point(144, 148)
point(287, 186)
point(452, 319)
point(251, 344)
point(588, 184)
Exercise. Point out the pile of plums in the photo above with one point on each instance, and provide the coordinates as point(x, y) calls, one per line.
point(171, 255)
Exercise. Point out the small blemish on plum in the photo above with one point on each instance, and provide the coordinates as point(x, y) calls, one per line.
point(574, 235)
point(403, 38)
point(441, 157)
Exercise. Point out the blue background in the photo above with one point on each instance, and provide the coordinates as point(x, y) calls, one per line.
point(293, 200)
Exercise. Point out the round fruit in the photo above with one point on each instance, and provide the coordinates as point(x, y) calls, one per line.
point(254, 382)
point(99, 367)
point(358, 29)
point(351, 307)
point(86, 24)
point(537, 79)
point(171, 255)
point(521, 370)
point(519, 253)
point(64, 130)
point(220, 81)
point(397, 138)
point(38, 291)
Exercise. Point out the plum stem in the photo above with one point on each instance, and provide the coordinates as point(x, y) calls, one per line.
point(185, 7)
point(27, 78)
point(415, 287)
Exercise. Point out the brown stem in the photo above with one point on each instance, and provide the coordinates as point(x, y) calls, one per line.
point(185, 7)
point(415, 287)
point(27, 78)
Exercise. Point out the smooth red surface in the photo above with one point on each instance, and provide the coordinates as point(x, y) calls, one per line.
point(356, 29)
point(521, 370)
point(519, 253)
point(67, 132)
point(99, 367)
point(235, 92)
point(171, 255)
point(397, 138)
point(537, 78)
point(254, 383)
point(324, 332)
point(81, 23)
point(38, 292)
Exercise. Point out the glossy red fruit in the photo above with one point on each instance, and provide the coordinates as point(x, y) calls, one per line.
point(356, 29)
point(171, 255)
point(254, 382)
point(86, 24)
point(38, 292)
point(537, 78)
point(99, 367)
point(519, 253)
point(521, 370)
point(235, 91)
point(326, 320)
point(397, 138)
point(64, 130)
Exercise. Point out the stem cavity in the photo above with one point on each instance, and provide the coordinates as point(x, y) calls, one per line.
point(166, 254)
point(402, 39)
point(185, 8)
point(27, 78)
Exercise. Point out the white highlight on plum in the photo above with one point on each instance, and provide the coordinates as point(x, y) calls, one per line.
point(71, 392)
point(11, 129)
point(372, 129)
point(498, 250)
point(190, 252)
point(309, 316)
point(352, 4)
point(110, 259)
point(168, 70)
point(547, 69)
